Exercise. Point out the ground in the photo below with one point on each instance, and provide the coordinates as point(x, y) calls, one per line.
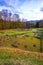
point(23, 39)
point(14, 56)
point(20, 47)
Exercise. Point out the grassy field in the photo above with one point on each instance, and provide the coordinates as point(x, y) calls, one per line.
point(23, 39)
point(14, 56)
point(17, 47)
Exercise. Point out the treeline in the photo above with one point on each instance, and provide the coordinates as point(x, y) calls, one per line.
point(14, 24)
point(7, 21)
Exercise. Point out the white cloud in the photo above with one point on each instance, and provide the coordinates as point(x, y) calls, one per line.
point(29, 9)
point(32, 15)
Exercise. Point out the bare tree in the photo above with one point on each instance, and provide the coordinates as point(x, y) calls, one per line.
point(0, 15)
point(5, 14)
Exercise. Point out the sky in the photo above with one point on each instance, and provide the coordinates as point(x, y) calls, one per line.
point(28, 9)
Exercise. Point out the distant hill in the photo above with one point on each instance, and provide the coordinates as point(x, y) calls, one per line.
point(32, 21)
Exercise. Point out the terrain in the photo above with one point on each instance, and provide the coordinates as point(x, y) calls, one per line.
point(14, 56)
point(20, 47)
point(23, 39)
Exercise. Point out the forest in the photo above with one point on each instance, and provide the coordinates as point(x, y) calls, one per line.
point(13, 21)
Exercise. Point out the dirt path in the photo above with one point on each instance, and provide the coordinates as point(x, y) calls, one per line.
point(19, 51)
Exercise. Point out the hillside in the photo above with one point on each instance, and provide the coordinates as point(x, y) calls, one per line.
point(20, 47)
point(23, 39)
point(14, 56)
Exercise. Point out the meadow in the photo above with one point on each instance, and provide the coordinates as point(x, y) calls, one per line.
point(20, 47)
point(14, 56)
point(23, 39)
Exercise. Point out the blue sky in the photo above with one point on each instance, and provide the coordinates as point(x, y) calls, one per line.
point(28, 9)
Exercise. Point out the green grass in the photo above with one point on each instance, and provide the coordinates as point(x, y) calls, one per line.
point(12, 32)
point(17, 59)
point(24, 38)
point(16, 32)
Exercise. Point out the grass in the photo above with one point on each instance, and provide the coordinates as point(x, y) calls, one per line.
point(24, 39)
point(12, 32)
point(16, 32)
point(8, 56)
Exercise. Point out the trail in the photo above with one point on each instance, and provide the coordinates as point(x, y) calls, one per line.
point(21, 52)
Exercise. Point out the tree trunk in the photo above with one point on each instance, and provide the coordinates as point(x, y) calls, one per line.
point(40, 45)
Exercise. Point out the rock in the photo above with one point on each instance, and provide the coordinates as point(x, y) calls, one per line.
point(15, 45)
point(34, 30)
